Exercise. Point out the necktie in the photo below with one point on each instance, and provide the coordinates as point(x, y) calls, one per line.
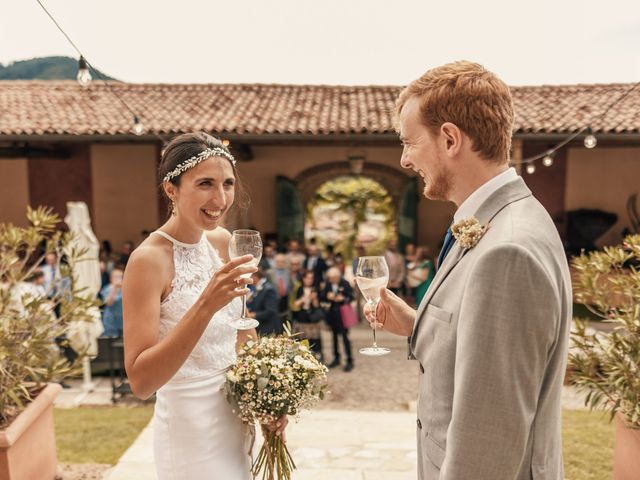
point(449, 240)
point(282, 287)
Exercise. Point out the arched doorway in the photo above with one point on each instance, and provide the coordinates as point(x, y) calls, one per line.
point(293, 195)
point(348, 211)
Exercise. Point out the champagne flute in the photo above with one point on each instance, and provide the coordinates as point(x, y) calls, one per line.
point(245, 242)
point(372, 274)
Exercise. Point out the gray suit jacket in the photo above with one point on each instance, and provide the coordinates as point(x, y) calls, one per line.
point(491, 340)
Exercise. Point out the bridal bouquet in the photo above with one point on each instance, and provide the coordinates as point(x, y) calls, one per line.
point(274, 376)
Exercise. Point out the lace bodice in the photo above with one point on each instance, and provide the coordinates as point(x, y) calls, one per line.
point(194, 266)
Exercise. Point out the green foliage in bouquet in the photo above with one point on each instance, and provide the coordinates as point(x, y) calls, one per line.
point(29, 356)
point(273, 377)
point(607, 365)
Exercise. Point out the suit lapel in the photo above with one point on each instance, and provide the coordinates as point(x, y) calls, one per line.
point(450, 261)
point(509, 193)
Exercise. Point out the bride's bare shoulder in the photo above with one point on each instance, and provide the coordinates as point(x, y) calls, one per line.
point(154, 254)
point(219, 239)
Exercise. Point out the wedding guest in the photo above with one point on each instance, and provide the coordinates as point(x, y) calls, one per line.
point(307, 313)
point(29, 290)
point(395, 262)
point(280, 277)
point(295, 273)
point(51, 270)
point(111, 295)
point(409, 252)
point(264, 305)
point(294, 251)
point(339, 263)
point(104, 274)
point(315, 263)
point(268, 260)
point(107, 256)
point(329, 256)
point(337, 293)
point(420, 272)
point(36, 284)
point(127, 249)
point(273, 243)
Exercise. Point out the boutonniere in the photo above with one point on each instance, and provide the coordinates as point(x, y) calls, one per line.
point(468, 232)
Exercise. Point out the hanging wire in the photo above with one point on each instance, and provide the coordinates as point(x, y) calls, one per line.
point(573, 136)
point(136, 119)
point(528, 160)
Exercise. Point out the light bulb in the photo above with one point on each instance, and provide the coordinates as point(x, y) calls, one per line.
point(84, 75)
point(138, 127)
point(590, 141)
point(531, 169)
point(547, 161)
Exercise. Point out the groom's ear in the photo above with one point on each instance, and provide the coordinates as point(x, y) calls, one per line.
point(452, 138)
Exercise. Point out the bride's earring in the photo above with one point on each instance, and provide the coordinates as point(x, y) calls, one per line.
point(174, 211)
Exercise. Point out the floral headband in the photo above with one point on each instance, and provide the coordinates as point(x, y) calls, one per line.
point(201, 157)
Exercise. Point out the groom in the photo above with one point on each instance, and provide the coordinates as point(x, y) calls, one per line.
point(491, 333)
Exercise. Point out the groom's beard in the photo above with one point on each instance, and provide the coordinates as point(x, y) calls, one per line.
point(439, 186)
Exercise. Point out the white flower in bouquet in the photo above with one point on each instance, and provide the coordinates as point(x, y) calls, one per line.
point(273, 377)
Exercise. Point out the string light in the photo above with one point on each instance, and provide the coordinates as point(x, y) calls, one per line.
point(531, 168)
point(590, 141)
point(84, 75)
point(84, 78)
point(138, 126)
point(226, 142)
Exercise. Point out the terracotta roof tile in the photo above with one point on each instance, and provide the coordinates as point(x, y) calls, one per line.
point(64, 108)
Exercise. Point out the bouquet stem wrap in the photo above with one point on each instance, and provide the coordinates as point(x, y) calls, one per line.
point(274, 460)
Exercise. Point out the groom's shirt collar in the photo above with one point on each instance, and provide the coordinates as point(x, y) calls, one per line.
point(472, 203)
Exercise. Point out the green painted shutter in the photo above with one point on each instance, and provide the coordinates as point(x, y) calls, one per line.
point(408, 214)
point(289, 210)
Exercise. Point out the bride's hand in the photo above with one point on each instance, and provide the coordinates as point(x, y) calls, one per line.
point(278, 427)
point(227, 284)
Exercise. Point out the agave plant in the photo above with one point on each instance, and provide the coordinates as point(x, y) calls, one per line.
point(607, 365)
point(31, 324)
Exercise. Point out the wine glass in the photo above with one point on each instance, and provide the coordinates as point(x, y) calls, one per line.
point(245, 242)
point(372, 274)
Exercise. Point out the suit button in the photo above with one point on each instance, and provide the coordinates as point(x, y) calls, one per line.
point(419, 423)
point(421, 369)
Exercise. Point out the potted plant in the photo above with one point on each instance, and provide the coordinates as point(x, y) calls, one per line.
point(607, 364)
point(32, 327)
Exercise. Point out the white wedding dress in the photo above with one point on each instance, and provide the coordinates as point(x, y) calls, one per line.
point(197, 436)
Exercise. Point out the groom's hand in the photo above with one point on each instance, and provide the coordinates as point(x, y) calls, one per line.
point(392, 314)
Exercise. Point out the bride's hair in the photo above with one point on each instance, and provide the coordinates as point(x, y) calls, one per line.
point(189, 145)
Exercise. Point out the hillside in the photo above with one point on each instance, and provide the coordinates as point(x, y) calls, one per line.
point(45, 68)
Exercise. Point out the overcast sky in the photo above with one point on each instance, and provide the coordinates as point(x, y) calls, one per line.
point(332, 41)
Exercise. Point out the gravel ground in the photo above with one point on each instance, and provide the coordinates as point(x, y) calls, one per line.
point(388, 383)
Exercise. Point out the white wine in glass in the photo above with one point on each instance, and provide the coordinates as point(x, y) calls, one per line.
point(245, 242)
point(372, 274)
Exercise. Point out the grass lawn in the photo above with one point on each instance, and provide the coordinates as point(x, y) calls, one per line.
point(98, 434)
point(588, 440)
point(102, 434)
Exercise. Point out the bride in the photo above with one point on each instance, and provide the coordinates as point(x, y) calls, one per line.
point(179, 296)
